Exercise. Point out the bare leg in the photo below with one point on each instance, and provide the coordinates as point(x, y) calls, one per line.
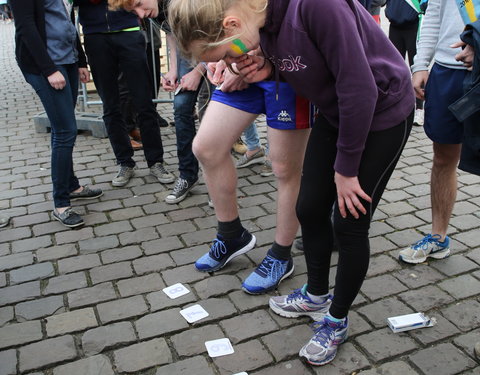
point(220, 128)
point(287, 150)
point(443, 185)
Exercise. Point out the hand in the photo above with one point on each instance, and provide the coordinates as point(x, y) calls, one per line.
point(216, 72)
point(419, 80)
point(348, 192)
point(254, 68)
point(169, 81)
point(466, 55)
point(233, 82)
point(191, 80)
point(57, 80)
point(84, 75)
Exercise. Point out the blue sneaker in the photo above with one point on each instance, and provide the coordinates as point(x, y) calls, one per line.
point(299, 304)
point(268, 275)
point(322, 347)
point(223, 251)
point(428, 246)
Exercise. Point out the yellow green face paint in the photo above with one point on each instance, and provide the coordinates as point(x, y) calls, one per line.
point(238, 47)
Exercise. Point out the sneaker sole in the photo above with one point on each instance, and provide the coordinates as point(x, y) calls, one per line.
point(69, 225)
point(243, 250)
point(290, 314)
point(119, 184)
point(272, 287)
point(181, 197)
point(437, 255)
point(251, 162)
point(267, 174)
point(85, 198)
point(164, 180)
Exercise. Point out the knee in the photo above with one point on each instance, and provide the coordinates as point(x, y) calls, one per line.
point(284, 171)
point(206, 152)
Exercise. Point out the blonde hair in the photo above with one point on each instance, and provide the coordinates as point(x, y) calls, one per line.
point(202, 20)
point(120, 4)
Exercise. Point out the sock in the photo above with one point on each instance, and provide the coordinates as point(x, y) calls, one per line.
point(335, 320)
point(230, 229)
point(317, 299)
point(280, 252)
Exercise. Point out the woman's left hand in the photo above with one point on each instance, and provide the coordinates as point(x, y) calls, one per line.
point(348, 193)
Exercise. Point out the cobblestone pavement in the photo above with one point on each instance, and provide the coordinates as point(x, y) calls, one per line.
point(90, 301)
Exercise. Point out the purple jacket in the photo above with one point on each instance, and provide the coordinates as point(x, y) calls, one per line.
point(335, 55)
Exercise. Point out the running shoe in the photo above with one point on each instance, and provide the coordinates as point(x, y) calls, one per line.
point(428, 246)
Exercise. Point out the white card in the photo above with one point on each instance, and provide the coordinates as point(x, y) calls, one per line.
point(217, 348)
point(241, 373)
point(175, 291)
point(194, 313)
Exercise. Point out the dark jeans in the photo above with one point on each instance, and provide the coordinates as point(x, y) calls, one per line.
point(60, 108)
point(314, 207)
point(108, 54)
point(183, 110)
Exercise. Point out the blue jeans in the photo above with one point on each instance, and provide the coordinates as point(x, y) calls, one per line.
point(251, 137)
point(183, 114)
point(60, 108)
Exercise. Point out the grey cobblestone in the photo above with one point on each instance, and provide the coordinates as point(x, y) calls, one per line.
point(140, 285)
point(18, 293)
point(110, 272)
point(96, 340)
point(192, 342)
point(137, 236)
point(98, 365)
point(122, 309)
point(47, 352)
point(248, 326)
point(56, 252)
point(96, 244)
point(16, 260)
point(121, 254)
point(383, 343)
point(30, 273)
point(197, 365)
point(81, 262)
point(247, 357)
point(65, 283)
point(73, 236)
point(8, 361)
point(20, 333)
point(39, 308)
point(72, 321)
point(6, 315)
point(162, 245)
point(152, 263)
point(216, 285)
point(30, 244)
point(143, 355)
point(90, 296)
point(159, 323)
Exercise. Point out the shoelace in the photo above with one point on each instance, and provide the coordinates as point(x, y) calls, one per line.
point(323, 332)
point(296, 294)
point(423, 243)
point(180, 185)
point(218, 248)
point(271, 267)
point(161, 168)
point(122, 172)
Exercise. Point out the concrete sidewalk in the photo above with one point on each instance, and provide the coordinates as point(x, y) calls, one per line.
point(90, 301)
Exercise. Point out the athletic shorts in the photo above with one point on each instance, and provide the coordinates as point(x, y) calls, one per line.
point(444, 86)
point(287, 113)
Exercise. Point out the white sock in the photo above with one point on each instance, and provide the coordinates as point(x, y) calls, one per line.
point(317, 299)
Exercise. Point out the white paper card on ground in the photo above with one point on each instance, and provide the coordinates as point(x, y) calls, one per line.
point(241, 373)
point(194, 313)
point(217, 348)
point(410, 321)
point(175, 291)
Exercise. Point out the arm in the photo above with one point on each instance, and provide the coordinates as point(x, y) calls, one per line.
point(169, 80)
point(26, 29)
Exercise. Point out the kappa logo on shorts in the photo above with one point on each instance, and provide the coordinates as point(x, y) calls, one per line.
point(284, 116)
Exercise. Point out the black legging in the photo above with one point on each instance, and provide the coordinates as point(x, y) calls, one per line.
point(317, 196)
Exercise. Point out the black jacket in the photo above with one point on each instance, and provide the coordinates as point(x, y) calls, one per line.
point(399, 13)
point(31, 41)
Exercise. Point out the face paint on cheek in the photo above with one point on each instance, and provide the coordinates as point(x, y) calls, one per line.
point(238, 47)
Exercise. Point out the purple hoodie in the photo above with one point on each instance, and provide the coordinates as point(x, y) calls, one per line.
point(334, 54)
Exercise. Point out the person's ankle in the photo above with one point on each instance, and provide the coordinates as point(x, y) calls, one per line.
point(61, 210)
point(252, 152)
point(79, 190)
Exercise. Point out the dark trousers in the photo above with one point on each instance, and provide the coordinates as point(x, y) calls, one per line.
point(108, 54)
point(183, 113)
point(404, 38)
point(60, 108)
point(318, 195)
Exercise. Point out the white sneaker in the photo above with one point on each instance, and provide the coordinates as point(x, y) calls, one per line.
point(419, 117)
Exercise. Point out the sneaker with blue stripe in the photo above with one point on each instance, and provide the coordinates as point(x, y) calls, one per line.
point(428, 246)
point(298, 303)
point(268, 275)
point(322, 347)
point(223, 251)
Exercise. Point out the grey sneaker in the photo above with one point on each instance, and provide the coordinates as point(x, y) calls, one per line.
point(256, 158)
point(123, 176)
point(299, 304)
point(86, 193)
point(428, 246)
point(266, 170)
point(159, 171)
point(180, 190)
point(69, 218)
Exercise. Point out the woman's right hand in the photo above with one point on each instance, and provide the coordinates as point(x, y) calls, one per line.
point(57, 80)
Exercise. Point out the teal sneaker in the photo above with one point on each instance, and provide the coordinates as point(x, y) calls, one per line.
point(268, 275)
point(322, 347)
point(428, 246)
